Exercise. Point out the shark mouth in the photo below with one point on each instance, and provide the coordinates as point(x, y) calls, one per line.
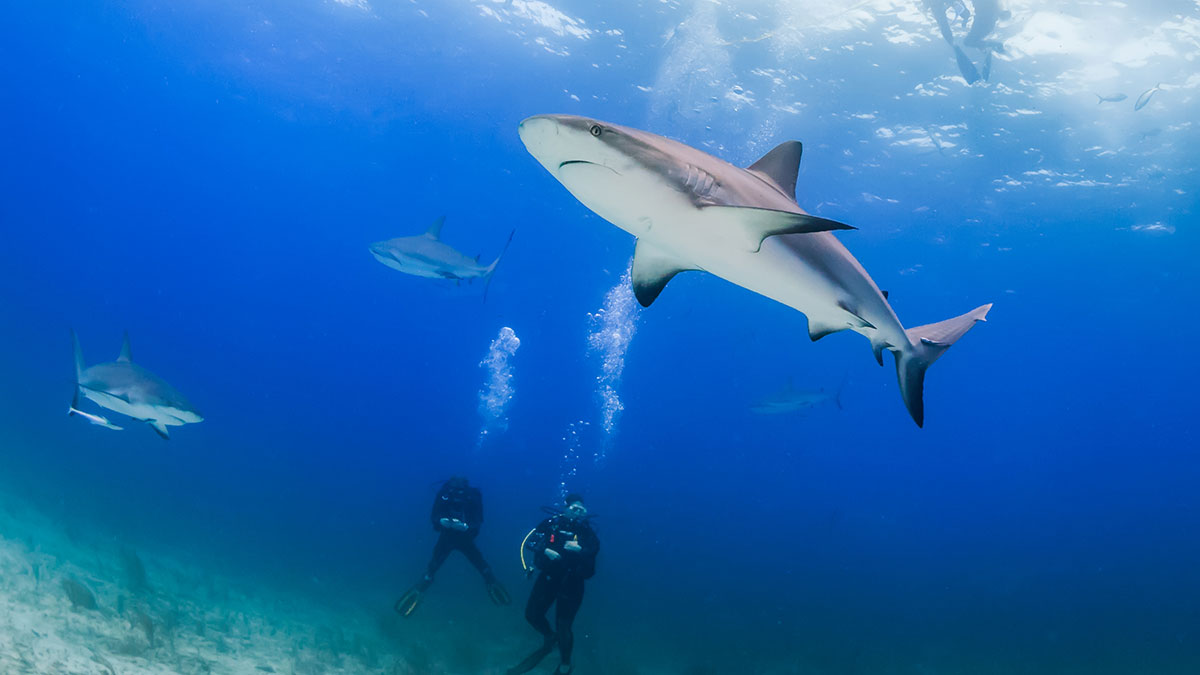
point(569, 162)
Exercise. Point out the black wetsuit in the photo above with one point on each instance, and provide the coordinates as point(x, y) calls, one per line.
point(561, 581)
point(465, 504)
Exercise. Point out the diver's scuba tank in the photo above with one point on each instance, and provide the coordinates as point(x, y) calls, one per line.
point(555, 538)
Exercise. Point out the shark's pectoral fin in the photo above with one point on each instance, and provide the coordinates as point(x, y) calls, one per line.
point(159, 428)
point(652, 269)
point(753, 225)
point(860, 322)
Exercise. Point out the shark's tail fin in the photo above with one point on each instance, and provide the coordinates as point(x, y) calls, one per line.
point(492, 268)
point(928, 344)
point(79, 366)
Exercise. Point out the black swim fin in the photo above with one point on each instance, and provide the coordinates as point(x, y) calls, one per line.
point(533, 659)
point(407, 604)
point(498, 593)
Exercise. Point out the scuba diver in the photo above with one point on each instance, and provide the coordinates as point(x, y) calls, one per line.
point(456, 517)
point(982, 25)
point(563, 549)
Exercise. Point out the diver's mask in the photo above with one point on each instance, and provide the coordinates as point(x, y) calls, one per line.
point(576, 510)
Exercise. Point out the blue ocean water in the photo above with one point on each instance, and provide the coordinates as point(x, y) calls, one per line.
point(208, 176)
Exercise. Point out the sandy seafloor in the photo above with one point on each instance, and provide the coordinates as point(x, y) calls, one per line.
point(176, 617)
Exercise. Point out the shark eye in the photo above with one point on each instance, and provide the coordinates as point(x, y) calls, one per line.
point(596, 130)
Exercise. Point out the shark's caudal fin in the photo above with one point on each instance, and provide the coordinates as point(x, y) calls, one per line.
point(492, 268)
point(435, 230)
point(79, 365)
point(928, 344)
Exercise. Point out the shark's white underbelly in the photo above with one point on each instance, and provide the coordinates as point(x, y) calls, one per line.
point(820, 288)
point(138, 411)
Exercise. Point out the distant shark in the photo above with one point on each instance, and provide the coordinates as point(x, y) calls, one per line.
point(692, 211)
point(792, 400)
point(425, 255)
point(123, 386)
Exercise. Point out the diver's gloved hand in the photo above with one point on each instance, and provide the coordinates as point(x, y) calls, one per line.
point(459, 525)
point(552, 554)
point(572, 546)
point(445, 523)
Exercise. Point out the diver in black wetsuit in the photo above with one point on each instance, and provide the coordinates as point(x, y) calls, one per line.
point(987, 14)
point(456, 516)
point(564, 548)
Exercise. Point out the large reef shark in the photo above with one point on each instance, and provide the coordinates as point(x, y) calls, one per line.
point(124, 387)
point(692, 211)
point(426, 255)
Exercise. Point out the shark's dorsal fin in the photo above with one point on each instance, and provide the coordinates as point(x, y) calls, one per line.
point(79, 365)
point(126, 353)
point(652, 269)
point(435, 230)
point(780, 166)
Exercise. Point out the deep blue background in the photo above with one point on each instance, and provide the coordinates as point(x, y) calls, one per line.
point(208, 178)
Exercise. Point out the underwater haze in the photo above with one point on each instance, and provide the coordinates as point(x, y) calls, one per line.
point(210, 177)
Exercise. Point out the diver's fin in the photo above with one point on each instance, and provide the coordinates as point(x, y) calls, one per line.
point(159, 428)
point(969, 73)
point(780, 166)
point(753, 225)
point(530, 662)
point(79, 367)
point(126, 353)
point(435, 230)
point(407, 604)
point(885, 294)
point(492, 268)
point(652, 269)
point(498, 593)
point(929, 342)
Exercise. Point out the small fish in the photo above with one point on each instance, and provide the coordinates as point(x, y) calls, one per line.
point(1111, 98)
point(1145, 97)
point(94, 419)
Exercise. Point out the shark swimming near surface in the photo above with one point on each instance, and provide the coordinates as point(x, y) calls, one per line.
point(426, 255)
point(793, 400)
point(692, 211)
point(124, 387)
point(1110, 98)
